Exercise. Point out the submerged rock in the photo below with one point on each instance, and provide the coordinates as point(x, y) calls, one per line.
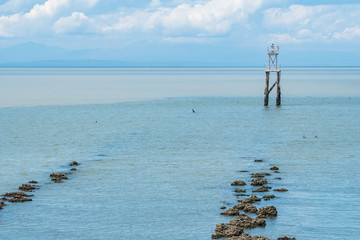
point(2, 204)
point(33, 181)
point(286, 238)
point(58, 177)
point(257, 175)
point(238, 183)
point(27, 187)
point(258, 160)
point(73, 169)
point(278, 178)
point(266, 212)
point(222, 207)
point(243, 171)
point(20, 199)
point(281, 190)
point(17, 194)
point(74, 163)
point(274, 168)
point(258, 182)
point(242, 195)
point(261, 189)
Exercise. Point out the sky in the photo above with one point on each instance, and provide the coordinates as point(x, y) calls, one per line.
point(179, 32)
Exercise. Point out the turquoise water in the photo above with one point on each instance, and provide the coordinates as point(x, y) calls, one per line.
point(155, 170)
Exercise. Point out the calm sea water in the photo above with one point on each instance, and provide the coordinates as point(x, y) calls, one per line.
point(155, 170)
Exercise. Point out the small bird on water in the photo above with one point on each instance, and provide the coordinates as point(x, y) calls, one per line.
point(193, 111)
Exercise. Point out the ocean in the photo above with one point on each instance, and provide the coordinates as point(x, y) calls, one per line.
point(151, 168)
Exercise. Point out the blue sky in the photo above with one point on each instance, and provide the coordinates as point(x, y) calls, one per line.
point(185, 32)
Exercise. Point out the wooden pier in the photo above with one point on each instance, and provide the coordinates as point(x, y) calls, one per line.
point(273, 52)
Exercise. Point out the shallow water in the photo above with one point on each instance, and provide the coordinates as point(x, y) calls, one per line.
point(155, 170)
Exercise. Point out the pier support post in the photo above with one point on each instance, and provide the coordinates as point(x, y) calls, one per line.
point(266, 92)
point(278, 92)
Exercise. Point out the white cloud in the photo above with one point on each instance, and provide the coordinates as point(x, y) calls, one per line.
point(312, 23)
point(348, 33)
point(78, 22)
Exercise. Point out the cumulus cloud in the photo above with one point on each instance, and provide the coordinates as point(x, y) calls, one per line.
point(299, 23)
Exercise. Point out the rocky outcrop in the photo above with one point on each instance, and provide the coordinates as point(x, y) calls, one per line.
point(223, 230)
point(246, 236)
point(27, 187)
point(18, 197)
point(261, 189)
point(240, 190)
point(74, 163)
point(274, 168)
point(268, 197)
point(231, 212)
point(285, 238)
point(266, 212)
point(251, 199)
point(238, 183)
point(259, 182)
point(244, 221)
point(33, 182)
point(246, 207)
point(58, 177)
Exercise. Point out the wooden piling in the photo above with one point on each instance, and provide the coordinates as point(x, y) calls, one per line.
point(278, 92)
point(266, 92)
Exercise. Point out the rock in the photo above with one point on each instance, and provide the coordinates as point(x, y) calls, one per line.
point(27, 187)
point(286, 238)
point(246, 207)
point(222, 207)
point(33, 181)
point(251, 200)
point(20, 199)
point(3, 199)
point(244, 221)
point(242, 195)
point(267, 174)
point(268, 197)
point(261, 189)
point(258, 182)
point(238, 183)
point(281, 190)
point(274, 168)
point(246, 236)
point(231, 212)
point(17, 194)
point(243, 171)
point(279, 178)
point(225, 230)
point(265, 212)
point(257, 175)
point(58, 177)
point(73, 169)
point(276, 171)
point(240, 190)
point(258, 160)
point(2, 204)
point(74, 163)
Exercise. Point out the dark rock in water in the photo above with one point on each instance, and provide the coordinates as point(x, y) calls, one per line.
point(258, 182)
point(240, 190)
point(33, 181)
point(276, 171)
point(246, 207)
point(251, 200)
point(261, 189)
point(231, 212)
point(281, 190)
point(286, 238)
point(278, 178)
point(74, 163)
point(222, 207)
point(268, 197)
point(246, 236)
point(257, 175)
point(58, 177)
point(17, 194)
point(27, 187)
point(73, 169)
point(238, 183)
point(267, 174)
point(244, 221)
point(20, 199)
point(2, 204)
point(243, 171)
point(225, 231)
point(265, 212)
point(274, 168)
point(242, 195)
point(258, 160)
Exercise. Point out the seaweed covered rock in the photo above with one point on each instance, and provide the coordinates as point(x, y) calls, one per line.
point(265, 212)
point(33, 182)
point(58, 177)
point(246, 207)
point(251, 199)
point(261, 189)
point(20, 199)
point(240, 190)
point(27, 187)
point(258, 182)
point(274, 168)
point(238, 183)
point(16, 194)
